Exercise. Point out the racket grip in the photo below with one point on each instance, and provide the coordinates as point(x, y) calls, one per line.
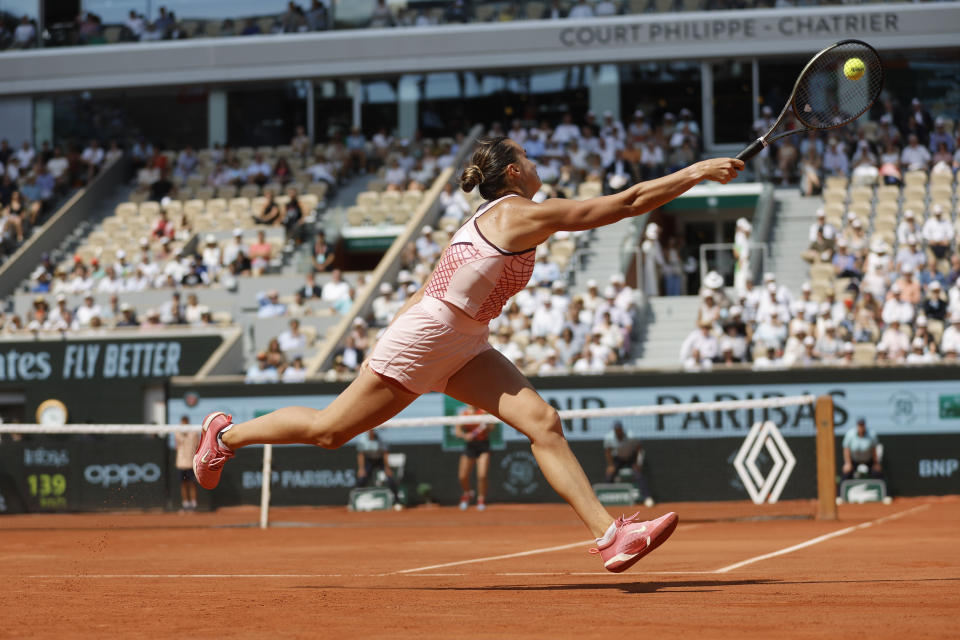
point(755, 147)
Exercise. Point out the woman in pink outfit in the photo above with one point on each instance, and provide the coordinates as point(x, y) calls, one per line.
point(438, 340)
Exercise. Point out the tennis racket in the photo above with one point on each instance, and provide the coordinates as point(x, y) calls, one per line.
point(835, 88)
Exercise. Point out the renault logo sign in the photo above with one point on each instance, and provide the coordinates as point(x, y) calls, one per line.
point(764, 435)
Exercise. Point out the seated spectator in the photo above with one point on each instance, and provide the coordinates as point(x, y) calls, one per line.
point(275, 356)
point(350, 355)
point(282, 172)
point(292, 341)
point(270, 212)
point(323, 253)
point(897, 307)
point(25, 35)
point(128, 316)
point(163, 187)
point(296, 372)
point(269, 305)
point(336, 289)
point(261, 371)
point(772, 331)
point(908, 285)
point(260, 252)
point(258, 171)
point(894, 341)
point(702, 341)
point(293, 218)
point(835, 161)
point(919, 354)
point(934, 306)
point(938, 232)
point(386, 305)
point(811, 183)
point(396, 175)
point(914, 156)
point(860, 450)
point(623, 451)
point(950, 341)
point(382, 16)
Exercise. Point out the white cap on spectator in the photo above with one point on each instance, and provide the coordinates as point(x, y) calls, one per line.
point(713, 280)
point(915, 101)
point(427, 229)
point(808, 341)
point(821, 213)
point(404, 276)
point(561, 235)
point(856, 224)
point(411, 288)
point(639, 113)
point(125, 306)
point(359, 322)
point(144, 242)
point(879, 246)
point(934, 285)
point(881, 348)
point(121, 254)
point(210, 239)
point(906, 268)
point(767, 109)
point(937, 209)
point(608, 114)
point(616, 278)
point(911, 239)
point(918, 343)
point(824, 308)
point(238, 231)
point(559, 284)
point(386, 287)
point(772, 287)
point(165, 201)
point(165, 240)
point(61, 297)
point(707, 293)
point(842, 242)
point(769, 277)
point(852, 215)
point(848, 347)
point(921, 321)
point(955, 317)
point(609, 292)
point(736, 310)
point(829, 325)
point(894, 288)
point(591, 283)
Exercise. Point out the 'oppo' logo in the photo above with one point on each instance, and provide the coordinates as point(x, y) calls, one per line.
point(122, 474)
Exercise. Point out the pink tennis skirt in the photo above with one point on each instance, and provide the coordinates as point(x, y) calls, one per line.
point(426, 345)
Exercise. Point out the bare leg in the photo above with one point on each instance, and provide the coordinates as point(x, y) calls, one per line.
point(366, 403)
point(494, 384)
point(483, 466)
point(466, 466)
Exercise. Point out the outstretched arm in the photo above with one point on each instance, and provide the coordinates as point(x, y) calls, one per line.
point(529, 224)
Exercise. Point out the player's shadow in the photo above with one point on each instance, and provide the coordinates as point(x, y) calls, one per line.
point(632, 586)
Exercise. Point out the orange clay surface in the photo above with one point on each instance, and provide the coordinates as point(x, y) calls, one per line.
point(443, 573)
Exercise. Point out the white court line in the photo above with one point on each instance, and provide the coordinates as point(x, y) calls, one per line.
point(507, 556)
point(511, 555)
point(819, 539)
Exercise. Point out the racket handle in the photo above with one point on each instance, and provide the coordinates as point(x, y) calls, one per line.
point(755, 147)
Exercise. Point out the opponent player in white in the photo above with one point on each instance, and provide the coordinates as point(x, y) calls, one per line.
point(438, 340)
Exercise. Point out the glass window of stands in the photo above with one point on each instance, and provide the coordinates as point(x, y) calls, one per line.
point(657, 88)
point(265, 114)
point(168, 119)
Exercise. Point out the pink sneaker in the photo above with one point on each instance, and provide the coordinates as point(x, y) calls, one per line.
point(210, 456)
point(635, 539)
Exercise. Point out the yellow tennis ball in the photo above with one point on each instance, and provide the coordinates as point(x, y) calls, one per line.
point(853, 68)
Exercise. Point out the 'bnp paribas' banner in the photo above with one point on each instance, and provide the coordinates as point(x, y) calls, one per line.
point(900, 407)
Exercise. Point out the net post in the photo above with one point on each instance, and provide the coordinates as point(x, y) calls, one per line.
point(265, 485)
point(826, 460)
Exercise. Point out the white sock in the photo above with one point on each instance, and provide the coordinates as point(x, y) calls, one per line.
point(608, 536)
point(220, 438)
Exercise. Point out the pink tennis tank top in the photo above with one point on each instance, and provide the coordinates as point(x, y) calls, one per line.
point(477, 276)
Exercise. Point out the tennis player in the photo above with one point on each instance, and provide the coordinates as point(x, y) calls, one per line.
point(438, 340)
point(476, 451)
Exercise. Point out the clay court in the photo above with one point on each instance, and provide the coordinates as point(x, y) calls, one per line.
point(731, 570)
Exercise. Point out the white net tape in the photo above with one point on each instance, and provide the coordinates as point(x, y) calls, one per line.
point(433, 421)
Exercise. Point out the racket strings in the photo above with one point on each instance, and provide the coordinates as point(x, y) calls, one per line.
point(825, 97)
